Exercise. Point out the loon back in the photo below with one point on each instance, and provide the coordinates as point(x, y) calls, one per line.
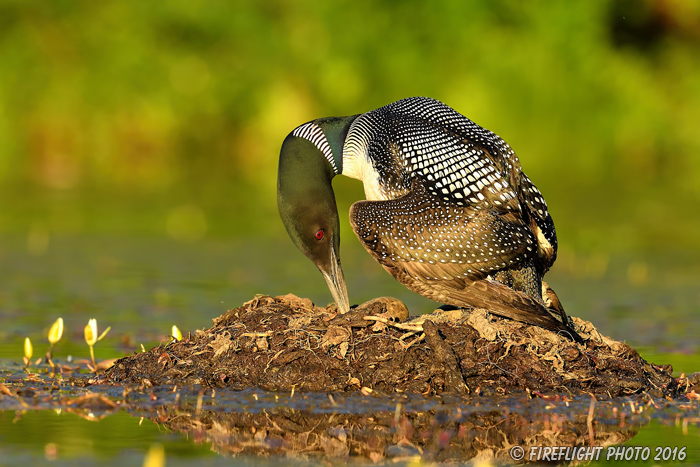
point(455, 159)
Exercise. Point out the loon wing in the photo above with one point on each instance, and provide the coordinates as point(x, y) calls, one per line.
point(447, 253)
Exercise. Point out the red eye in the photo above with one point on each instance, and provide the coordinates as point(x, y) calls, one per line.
point(319, 235)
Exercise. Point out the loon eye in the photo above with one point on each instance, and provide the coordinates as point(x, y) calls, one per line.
point(319, 235)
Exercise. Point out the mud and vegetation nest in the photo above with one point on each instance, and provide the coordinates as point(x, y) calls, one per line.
point(287, 343)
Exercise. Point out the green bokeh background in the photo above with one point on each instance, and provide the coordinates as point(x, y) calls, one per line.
point(167, 117)
point(158, 124)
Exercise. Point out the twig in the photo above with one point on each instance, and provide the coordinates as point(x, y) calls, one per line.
point(405, 327)
point(256, 334)
point(414, 341)
point(270, 361)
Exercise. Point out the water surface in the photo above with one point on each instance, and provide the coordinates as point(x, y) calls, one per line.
point(141, 286)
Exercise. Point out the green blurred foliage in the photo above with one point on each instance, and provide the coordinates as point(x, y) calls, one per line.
point(126, 116)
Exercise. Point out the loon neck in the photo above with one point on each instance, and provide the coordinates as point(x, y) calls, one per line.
point(328, 135)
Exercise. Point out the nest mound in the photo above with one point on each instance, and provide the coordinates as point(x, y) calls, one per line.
point(287, 343)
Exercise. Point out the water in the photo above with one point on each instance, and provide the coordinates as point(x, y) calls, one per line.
point(142, 286)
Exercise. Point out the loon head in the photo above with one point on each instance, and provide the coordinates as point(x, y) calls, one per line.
point(311, 156)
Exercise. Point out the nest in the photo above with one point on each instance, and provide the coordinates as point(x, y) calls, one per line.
point(287, 343)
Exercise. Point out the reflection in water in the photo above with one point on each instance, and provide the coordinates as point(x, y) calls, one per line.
point(304, 429)
point(316, 426)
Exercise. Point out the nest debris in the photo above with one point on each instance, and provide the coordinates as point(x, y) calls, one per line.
point(287, 343)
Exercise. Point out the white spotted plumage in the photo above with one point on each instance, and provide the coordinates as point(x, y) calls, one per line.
point(448, 204)
point(458, 160)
